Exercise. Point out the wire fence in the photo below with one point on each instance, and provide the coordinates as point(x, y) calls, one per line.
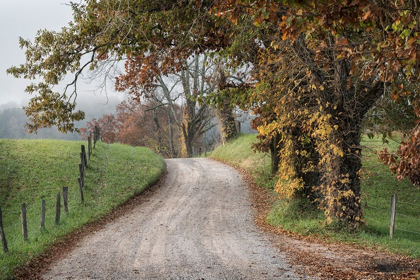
point(377, 208)
point(415, 232)
point(408, 203)
point(400, 209)
point(84, 156)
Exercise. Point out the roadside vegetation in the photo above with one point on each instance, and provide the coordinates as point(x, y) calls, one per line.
point(378, 184)
point(32, 170)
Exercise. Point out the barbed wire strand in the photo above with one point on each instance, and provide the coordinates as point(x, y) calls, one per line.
point(378, 197)
point(403, 202)
point(408, 216)
point(385, 198)
point(382, 209)
point(415, 232)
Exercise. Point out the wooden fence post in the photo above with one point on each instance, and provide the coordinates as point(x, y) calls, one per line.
point(57, 209)
point(82, 174)
point(43, 214)
point(84, 155)
point(82, 161)
point(95, 136)
point(90, 145)
point(394, 199)
point(98, 134)
point(82, 199)
point(2, 235)
point(24, 223)
point(65, 199)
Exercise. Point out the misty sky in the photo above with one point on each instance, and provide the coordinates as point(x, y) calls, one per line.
point(23, 18)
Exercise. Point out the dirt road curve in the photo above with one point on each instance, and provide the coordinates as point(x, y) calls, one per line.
point(198, 225)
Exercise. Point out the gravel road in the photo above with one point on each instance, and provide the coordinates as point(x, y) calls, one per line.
point(197, 225)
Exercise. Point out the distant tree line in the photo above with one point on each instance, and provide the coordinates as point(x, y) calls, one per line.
point(149, 124)
point(12, 126)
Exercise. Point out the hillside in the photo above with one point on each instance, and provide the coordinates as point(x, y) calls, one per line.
point(32, 170)
point(378, 184)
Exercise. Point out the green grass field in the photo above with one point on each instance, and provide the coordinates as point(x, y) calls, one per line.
point(32, 170)
point(378, 184)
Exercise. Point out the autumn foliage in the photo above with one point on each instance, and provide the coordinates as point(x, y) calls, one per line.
point(406, 161)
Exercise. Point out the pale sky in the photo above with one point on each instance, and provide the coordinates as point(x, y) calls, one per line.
point(23, 18)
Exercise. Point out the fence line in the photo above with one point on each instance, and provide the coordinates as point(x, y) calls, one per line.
point(82, 172)
point(408, 216)
point(382, 209)
point(392, 226)
point(408, 203)
point(394, 213)
point(415, 232)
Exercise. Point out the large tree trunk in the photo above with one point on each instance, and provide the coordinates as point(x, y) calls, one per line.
point(274, 153)
point(224, 113)
point(161, 146)
point(188, 130)
point(344, 100)
point(226, 120)
point(195, 117)
point(342, 188)
point(187, 141)
point(171, 137)
point(311, 178)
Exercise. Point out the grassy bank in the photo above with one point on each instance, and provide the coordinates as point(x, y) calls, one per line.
point(378, 185)
point(32, 170)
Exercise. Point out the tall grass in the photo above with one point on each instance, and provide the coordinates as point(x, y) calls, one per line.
point(32, 170)
point(378, 184)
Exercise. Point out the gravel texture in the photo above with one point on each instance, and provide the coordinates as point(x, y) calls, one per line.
point(197, 225)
